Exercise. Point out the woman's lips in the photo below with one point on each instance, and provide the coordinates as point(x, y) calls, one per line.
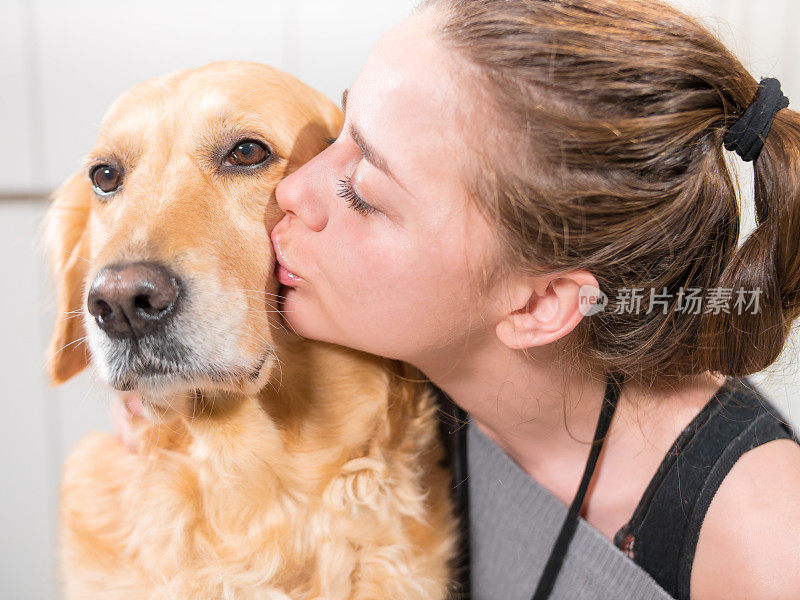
point(282, 272)
point(286, 277)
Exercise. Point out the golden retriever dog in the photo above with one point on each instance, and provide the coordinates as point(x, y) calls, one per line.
point(269, 466)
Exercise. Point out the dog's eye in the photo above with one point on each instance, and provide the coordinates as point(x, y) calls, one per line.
point(105, 179)
point(248, 154)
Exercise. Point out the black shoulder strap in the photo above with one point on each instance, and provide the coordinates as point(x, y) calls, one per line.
point(662, 534)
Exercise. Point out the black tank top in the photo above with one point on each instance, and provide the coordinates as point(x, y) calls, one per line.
point(662, 534)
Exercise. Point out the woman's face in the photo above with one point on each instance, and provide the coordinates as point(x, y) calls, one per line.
point(379, 226)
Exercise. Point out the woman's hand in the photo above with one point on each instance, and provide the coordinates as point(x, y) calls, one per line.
point(125, 409)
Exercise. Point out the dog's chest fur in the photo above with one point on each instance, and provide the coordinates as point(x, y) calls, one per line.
point(343, 498)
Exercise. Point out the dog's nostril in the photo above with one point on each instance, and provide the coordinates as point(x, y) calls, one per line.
point(101, 309)
point(159, 297)
point(143, 302)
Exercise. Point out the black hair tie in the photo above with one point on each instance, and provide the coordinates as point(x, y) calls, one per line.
point(747, 135)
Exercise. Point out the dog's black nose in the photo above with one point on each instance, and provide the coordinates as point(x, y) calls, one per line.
point(133, 299)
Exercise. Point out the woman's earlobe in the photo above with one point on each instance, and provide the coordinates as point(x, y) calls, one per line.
point(536, 324)
point(512, 337)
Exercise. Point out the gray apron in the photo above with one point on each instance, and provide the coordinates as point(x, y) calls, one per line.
point(514, 522)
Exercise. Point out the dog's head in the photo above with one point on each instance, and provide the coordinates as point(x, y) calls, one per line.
point(160, 245)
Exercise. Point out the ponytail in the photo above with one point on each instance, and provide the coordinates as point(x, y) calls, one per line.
point(766, 268)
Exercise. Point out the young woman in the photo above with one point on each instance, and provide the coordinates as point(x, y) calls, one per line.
point(501, 162)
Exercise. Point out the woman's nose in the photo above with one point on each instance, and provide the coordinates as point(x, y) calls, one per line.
point(301, 194)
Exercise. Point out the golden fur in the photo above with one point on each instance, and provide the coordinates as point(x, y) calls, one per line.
point(314, 473)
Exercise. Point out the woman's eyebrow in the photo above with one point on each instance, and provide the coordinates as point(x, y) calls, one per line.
point(373, 157)
point(370, 154)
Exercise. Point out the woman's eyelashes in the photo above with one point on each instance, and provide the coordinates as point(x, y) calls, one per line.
point(347, 192)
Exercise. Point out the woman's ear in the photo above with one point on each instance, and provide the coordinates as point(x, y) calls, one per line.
point(65, 236)
point(543, 309)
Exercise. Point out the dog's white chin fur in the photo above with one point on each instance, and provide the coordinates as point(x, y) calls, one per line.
point(164, 395)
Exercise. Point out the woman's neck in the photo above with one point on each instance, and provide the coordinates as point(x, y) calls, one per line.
point(545, 421)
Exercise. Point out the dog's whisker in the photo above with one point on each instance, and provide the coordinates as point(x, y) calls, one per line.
point(78, 256)
point(256, 311)
point(252, 334)
point(261, 313)
point(196, 394)
point(270, 308)
point(268, 312)
point(184, 416)
point(67, 316)
point(270, 320)
point(289, 324)
point(259, 296)
point(272, 350)
point(76, 343)
point(264, 311)
point(265, 346)
point(158, 434)
point(262, 295)
point(268, 345)
point(257, 291)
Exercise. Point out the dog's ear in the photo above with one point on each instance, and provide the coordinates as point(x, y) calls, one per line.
point(320, 131)
point(65, 235)
point(334, 119)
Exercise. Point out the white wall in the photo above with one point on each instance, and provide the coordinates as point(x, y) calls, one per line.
point(62, 64)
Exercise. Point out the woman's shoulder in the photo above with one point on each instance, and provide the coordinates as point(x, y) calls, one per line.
point(749, 542)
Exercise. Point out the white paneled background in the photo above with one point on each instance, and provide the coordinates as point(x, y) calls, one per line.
point(62, 63)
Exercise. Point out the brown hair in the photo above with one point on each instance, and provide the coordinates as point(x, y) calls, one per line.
point(608, 156)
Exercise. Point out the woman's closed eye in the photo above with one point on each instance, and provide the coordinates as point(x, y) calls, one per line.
point(347, 192)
